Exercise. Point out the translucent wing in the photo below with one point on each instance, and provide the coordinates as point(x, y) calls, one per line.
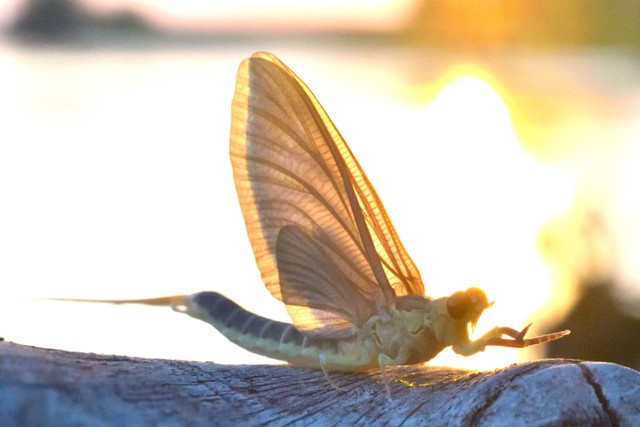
point(303, 261)
point(292, 167)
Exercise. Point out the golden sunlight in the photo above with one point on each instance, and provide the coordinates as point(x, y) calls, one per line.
point(469, 215)
point(468, 104)
point(492, 201)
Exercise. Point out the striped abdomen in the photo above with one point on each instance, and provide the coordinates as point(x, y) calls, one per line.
point(264, 336)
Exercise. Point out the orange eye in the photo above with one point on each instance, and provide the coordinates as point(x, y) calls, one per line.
point(478, 298)
point(459, 304)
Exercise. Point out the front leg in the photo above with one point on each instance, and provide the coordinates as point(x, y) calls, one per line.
point(494, 337)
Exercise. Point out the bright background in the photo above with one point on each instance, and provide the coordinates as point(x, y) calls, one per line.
point(507, 157)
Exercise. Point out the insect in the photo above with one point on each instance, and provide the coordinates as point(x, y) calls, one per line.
point(325, 246)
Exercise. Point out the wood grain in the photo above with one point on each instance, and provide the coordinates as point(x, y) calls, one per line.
point(52, 387)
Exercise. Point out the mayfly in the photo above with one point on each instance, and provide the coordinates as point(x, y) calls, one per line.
point(325, 246)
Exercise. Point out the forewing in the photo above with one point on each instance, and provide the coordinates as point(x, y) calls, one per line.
point(292, 167)
point(400, 270)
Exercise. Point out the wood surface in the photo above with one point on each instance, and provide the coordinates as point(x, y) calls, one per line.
point(51, 387)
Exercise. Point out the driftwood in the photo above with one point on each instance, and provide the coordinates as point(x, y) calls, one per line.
point(51, 387)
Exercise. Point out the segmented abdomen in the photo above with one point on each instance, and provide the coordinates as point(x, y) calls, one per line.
point(227, 314)
point(258, 334)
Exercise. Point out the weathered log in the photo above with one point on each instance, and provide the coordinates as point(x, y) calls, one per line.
point(52, 387)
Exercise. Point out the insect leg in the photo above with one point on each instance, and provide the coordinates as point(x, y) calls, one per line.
point(383, 360)
point(322, 359)
point(494, 338)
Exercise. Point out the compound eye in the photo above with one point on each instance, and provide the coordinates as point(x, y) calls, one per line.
point(478, 298)
point(459, 304)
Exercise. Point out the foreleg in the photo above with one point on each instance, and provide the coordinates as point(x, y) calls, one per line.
point(495, 338)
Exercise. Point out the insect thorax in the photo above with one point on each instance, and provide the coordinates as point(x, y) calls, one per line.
point(406, 336)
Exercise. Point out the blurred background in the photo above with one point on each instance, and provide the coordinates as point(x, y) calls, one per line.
point(503, 137)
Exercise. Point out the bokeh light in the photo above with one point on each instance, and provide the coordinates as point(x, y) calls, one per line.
point(503, 141)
